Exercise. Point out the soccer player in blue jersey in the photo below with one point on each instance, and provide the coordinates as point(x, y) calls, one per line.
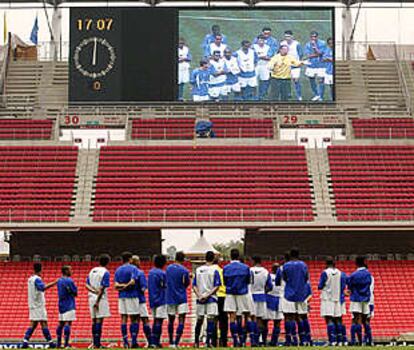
point(178, 280)
point(327, 58)
point(128, 303)
point(97, 283)
point(218, 71)
point(247, 59)
point(37, 306)
point(200, 79)
point(367, 328)
point(67, 292)
point(260, 286)
point(359, 284)
point(296, 276)
point(315, 71)
point(206, 282)
point(332, 283)
point(232, 76)
point(211, 37)
point(237, 278)
point(268, 39)
point(157, 284)
point(141, 286)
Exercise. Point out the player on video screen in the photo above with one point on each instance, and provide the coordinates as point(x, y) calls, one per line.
point(216, 45)
point(232, 76)
point(264, 53)
point(268, 39)
point(327, 58)
point(218, 70)
point(211, 37)
point(315, 71)
point(247, 59)
point(199, 80)
point(184, 59)
point(296, 51)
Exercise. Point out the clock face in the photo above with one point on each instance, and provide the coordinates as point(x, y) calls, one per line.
point(94, 57)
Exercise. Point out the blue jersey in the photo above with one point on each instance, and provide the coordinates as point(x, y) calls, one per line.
point(210, 38)
point(237, 277)
point(328, 54)
point(141, 286)
point(310, 49)
point(123, 275)
point(157, 285)
point(296, 276)
point(67, 291)
point(200, 79)
point(344, 281)
point(178, 279)
point(359, 283)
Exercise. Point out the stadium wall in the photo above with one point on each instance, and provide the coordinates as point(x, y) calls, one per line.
point(93, 242)
point(323, 243)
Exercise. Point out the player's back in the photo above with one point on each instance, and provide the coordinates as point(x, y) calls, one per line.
point(124, 274)
point(331, 278)
point(206, 279)
point(260, 282)
point(156, 287)
point(178, 279)
point(359, 283)
point(98, 277)
point(67, 291)
point(141, 285)
point(295, 274)
point(35, 290)
point(236, 278)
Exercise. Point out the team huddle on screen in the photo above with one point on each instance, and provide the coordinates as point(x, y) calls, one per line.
point(245, 299)
point(258, 71)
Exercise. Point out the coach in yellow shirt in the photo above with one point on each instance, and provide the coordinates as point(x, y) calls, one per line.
point(280, 78)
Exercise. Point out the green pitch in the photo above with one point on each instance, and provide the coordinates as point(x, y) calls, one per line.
point(239, 25)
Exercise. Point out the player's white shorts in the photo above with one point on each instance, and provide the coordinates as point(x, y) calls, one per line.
point(295, 73)
point(216, 91)
point(252, 82)
point(232, 88)
point(239, 303)
point(198, 98)
point(359, 307)
point(183, 73)
point(143, 310)
point(159, 312)
point(262, 72)
point(291, 307)
point(128, 306)
point(315, 72)
point(177, 309)
point(68, 316)
point(38, 314)
point(260, 309)
point(208, 309)
point(328, 79)
point(273, 315)
point(332, 308)
point(103, 310)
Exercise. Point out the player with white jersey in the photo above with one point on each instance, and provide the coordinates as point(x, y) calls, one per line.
point(296, 51)
point(328, 61)
point(206, 282)
point(274, 308)
point(361, 288)
point(264, 53)
point(331, 285)
point(232, 76)
point(210, 37)
point(218, 70)
point(97, 284)
point(247, 59)
point(261, 284)
point(200, 78)
point(184, 59)
point(37, 305)
point(216, 45)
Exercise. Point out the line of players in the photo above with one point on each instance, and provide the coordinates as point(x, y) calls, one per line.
point(252, 298)
point(262, 70)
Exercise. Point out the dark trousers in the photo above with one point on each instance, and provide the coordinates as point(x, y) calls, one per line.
point(279, 89)
point(223, 325)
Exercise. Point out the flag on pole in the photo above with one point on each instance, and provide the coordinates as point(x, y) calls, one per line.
point(5, 34)
point(35, 30)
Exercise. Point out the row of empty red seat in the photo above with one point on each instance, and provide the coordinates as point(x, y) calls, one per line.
point(217, 183)
point(26, 129)
point(243, 127)
point(371, 183)
point(37, 184)
point(383, 128)
point(394, 293)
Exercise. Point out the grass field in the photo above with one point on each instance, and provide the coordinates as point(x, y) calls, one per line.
point(238, 25)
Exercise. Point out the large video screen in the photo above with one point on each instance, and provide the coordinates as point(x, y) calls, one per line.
point(256, 55)
point(201, 55)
